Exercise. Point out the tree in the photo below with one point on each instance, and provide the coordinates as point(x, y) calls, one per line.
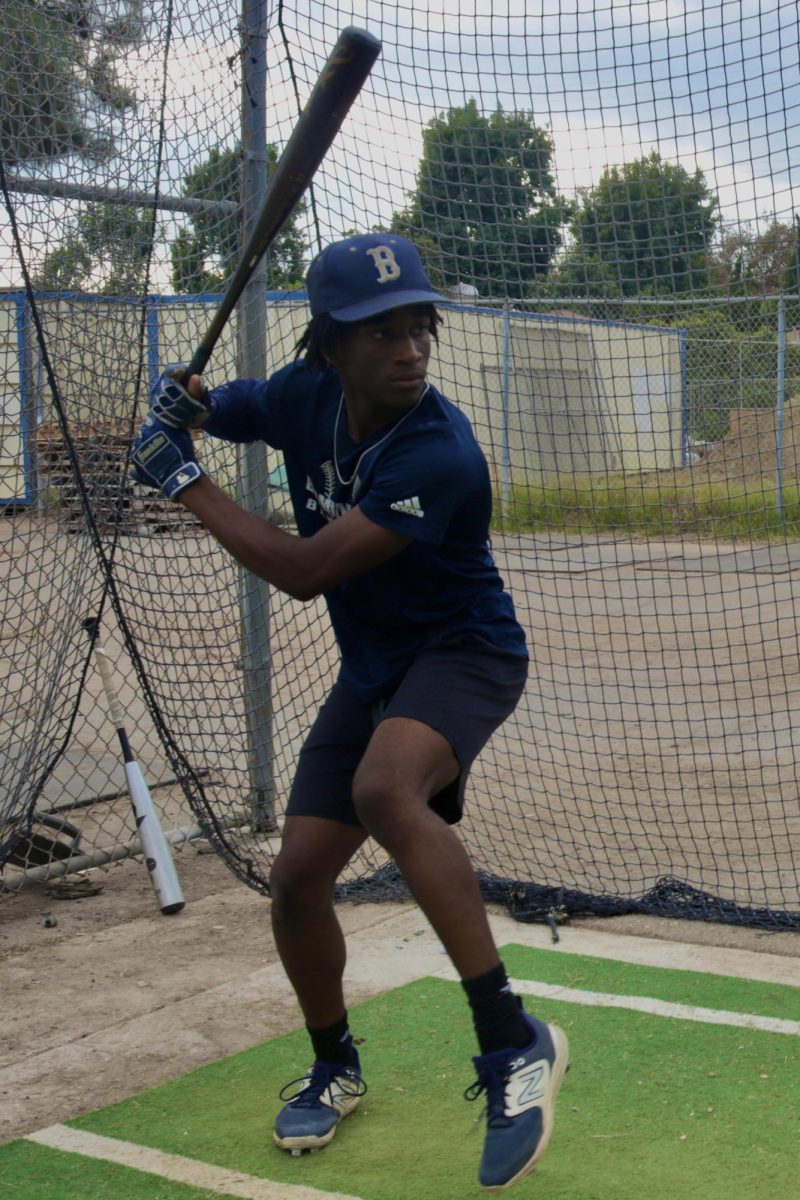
point(485, 210)
point(752, 264)
point(205, 253)
point(58, 83)
point(749, 263)
point(644, 230)
point(105, 249)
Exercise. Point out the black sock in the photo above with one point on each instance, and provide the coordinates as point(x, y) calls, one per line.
point(496, 1011)
point(334, 1043)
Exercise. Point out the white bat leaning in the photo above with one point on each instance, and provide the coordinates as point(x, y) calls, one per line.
point(155, 848)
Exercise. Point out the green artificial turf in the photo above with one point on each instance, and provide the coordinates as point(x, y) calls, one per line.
point(654, 1107)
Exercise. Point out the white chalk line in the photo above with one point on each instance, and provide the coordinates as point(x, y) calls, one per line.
point(175, 1167)
point(659, 1008)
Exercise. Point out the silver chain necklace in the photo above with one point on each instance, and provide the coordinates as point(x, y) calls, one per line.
point(369, 449)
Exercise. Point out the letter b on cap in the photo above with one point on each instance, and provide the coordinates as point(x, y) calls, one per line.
point(386, 264)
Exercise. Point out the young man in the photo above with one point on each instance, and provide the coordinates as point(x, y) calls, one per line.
point(392, 500)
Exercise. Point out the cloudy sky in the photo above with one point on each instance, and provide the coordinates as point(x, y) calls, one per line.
point(714, 87)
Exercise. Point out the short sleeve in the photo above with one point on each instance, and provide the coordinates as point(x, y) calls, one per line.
point(418, 484)
point(254, 410)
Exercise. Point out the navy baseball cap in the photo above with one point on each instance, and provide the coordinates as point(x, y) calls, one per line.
point(366, 275)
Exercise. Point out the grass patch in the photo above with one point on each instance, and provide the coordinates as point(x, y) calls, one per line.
point(644, 507)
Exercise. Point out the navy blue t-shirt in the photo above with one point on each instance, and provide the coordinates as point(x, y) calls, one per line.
point(424, 476)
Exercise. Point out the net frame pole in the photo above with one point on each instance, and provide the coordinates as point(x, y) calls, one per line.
point(780, 400)
point(506, 400)
point(27, 408)
point(252, 360)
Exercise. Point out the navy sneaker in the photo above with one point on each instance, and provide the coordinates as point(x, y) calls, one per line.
point(521, 1088)
point(327, 1094)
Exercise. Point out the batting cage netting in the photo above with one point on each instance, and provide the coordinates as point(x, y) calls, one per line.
point(607, 193)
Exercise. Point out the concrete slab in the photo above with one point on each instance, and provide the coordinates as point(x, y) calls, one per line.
point(767, 560)
point(79, 776)
point(581, 557)
point(559, 555)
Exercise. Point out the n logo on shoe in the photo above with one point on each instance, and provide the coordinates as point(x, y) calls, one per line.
point(527, 1087)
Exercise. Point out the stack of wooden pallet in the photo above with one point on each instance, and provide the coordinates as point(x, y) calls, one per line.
point(100, 449)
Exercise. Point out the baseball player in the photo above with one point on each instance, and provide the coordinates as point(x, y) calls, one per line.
point(392, 501)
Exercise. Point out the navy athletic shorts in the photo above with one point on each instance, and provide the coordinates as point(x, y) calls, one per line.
point(463, 690)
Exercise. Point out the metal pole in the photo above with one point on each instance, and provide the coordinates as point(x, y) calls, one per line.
point(781, 371)
point(63, 190)
point(252, 360)
point(28, 408)
point(504, 393)
point(14, 879)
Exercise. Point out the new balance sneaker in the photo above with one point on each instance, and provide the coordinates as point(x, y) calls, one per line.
point(520, 1088)
point(327, 1094)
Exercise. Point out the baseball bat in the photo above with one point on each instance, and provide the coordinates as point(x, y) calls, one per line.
point(340, 81)
point(156, 851)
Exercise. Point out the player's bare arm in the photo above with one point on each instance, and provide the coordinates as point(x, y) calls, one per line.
point(302, 567)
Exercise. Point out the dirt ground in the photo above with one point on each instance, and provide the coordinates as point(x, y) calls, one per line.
point(104, 997)
point(83, 979)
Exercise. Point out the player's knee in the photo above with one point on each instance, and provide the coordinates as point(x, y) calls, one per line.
point(294, 886)
point(382, 808)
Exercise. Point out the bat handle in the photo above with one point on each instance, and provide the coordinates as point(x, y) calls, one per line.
point(101, 658)
point(197, 363)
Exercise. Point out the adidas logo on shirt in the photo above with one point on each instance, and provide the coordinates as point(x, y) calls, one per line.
point(411, 506)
